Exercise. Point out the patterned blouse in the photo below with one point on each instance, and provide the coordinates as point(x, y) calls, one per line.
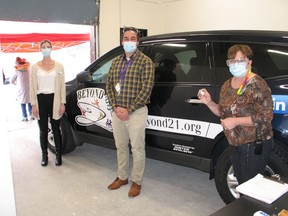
point(256, 101)
point(136, 79)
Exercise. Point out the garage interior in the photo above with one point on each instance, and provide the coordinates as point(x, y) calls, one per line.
point(79, 186)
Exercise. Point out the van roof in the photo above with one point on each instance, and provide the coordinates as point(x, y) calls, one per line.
point(256, 36)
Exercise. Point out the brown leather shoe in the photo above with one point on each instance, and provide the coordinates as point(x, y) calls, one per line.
point(117, 183)
point(134, 190)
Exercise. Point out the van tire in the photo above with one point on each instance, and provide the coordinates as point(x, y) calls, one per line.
point(223, 174)
point(68, 144)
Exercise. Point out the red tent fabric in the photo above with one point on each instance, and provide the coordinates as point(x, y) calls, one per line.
point(30, 42)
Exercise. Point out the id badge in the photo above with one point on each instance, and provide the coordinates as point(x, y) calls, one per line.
point(118, 88)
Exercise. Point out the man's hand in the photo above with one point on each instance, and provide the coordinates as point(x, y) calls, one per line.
point(122, 113)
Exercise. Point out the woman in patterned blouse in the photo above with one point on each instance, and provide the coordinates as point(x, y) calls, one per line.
point(246, 111)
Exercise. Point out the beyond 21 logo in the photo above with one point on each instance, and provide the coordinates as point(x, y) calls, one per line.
point(95, 109)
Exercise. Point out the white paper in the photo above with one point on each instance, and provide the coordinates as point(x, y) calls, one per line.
point(263, 189)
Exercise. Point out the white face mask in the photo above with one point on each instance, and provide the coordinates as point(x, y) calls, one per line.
point(238, 69)
point(46, 52)
point(129, 46)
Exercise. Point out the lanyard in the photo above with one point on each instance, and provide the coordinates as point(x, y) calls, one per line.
point(124, 69)
point(244, 83)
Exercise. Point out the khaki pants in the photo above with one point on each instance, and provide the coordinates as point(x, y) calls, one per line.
point(133, 129)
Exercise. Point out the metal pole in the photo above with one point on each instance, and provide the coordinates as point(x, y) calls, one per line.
point(97, 33)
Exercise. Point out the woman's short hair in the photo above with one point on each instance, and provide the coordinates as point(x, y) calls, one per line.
point(245, 49)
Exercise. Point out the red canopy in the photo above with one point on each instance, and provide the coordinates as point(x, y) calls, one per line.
point(30, 42)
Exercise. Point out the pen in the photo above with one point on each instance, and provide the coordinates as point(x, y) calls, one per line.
point(275, 178)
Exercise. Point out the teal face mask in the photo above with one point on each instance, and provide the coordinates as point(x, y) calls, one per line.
point(46, 52)
point(238, 69)
point(129, 46)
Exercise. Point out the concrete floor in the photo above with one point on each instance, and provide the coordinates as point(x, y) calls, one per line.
point(79, 186)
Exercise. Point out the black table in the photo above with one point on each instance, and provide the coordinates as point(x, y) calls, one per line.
point(247, 206)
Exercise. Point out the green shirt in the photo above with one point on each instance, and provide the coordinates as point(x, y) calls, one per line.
point(137, 82)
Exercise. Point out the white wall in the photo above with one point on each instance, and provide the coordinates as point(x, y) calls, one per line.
point(191, 15)
point(115, 14)
point(164, 16)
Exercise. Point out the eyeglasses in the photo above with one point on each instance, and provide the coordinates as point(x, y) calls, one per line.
point(130, 29)
point(233, 61)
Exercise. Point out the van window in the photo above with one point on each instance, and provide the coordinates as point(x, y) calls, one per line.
point(101, 69)
point(220, 57)
point(268, 60)
point(181, 63)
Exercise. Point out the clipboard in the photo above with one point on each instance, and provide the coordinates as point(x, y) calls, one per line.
point(264, 189)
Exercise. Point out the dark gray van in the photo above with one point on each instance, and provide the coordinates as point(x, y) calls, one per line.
point(180, 129)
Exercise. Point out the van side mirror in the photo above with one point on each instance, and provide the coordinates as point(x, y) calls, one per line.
point(84, 77)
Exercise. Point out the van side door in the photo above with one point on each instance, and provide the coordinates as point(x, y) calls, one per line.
point(178, 121)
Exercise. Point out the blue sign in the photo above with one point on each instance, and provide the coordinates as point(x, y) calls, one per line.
point(280, 103)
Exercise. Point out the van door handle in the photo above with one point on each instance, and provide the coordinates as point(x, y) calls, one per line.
point(193, 101)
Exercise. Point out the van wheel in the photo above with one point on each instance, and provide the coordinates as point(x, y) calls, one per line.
point(226, 182)
point(68, 144)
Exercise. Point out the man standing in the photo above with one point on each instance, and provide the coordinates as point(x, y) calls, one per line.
point(129, 85)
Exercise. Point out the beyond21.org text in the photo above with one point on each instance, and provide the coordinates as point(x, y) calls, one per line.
point(175, 125)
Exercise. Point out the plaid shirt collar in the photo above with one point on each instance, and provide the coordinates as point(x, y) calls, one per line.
point(134, 55)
